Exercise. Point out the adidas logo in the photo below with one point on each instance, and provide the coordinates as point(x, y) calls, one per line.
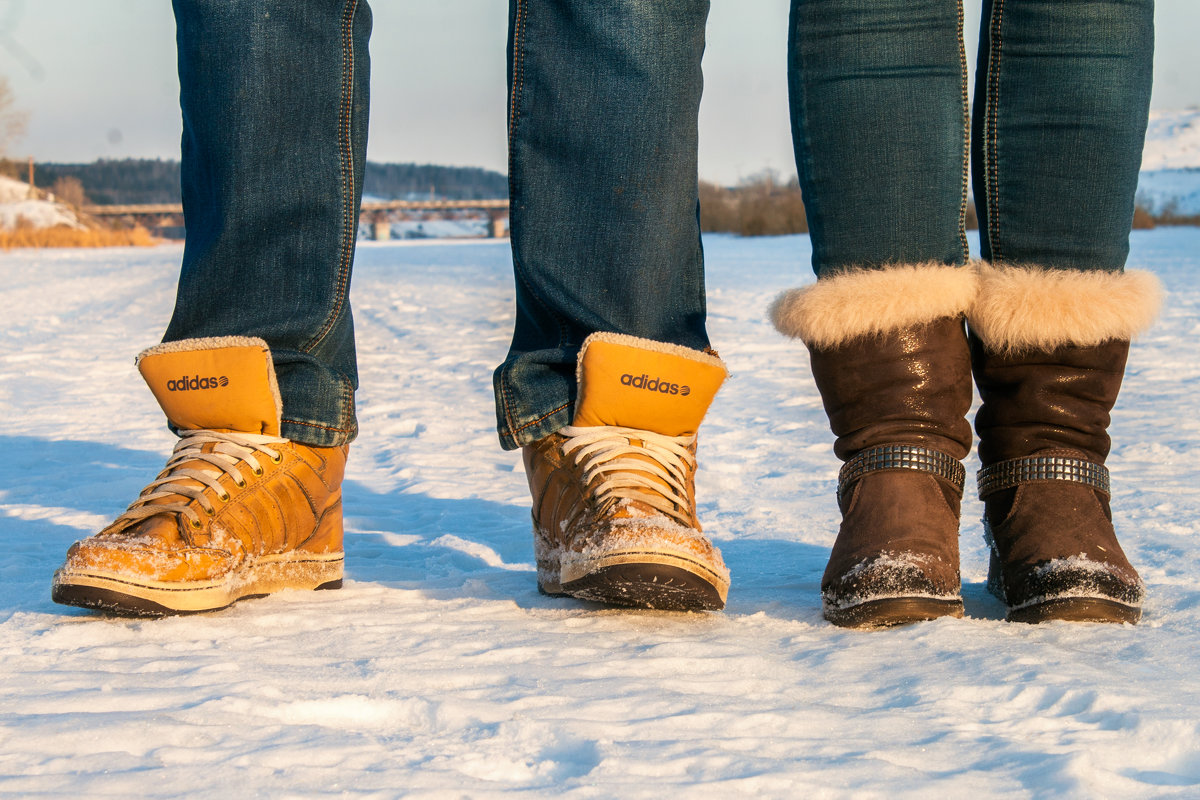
point(186, 384)
point(644, 381)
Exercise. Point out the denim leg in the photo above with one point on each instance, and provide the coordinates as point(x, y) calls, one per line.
point(1062, 97)
point(878, 93)
point(274, 96)
point(603, 111)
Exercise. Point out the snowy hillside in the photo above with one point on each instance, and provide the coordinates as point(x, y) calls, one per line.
point(1172, 140)
point(439, 671)
point(1170, 178)
point(16, 205)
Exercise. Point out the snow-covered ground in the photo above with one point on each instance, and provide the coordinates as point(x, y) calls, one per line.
point(439, 671)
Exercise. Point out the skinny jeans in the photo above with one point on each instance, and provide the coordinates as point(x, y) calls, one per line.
point(602, 132)
point(602, 126)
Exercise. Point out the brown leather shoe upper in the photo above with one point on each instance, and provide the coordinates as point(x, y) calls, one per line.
point(293, 505)
point(898, 540)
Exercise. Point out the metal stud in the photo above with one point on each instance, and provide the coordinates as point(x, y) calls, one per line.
point(1007, 474)
point(900, 456)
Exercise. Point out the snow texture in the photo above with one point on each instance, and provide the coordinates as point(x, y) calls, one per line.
point(16, 206)
point(1170, 177)
point(439, 671)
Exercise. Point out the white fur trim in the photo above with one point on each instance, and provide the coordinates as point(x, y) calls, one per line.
point(206, 343)
point(1030, 308)
point(867, 302)
point(711, 359)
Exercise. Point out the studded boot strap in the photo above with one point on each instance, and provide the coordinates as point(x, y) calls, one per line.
point(1007, 474)
point(900, 456)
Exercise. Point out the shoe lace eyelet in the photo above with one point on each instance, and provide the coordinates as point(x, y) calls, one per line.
point(196, 524)
point(239, 483)
point(278, 459)
point(258, 473)
point(224, 498)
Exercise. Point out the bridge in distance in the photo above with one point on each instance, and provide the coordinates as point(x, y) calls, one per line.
point(377, 212)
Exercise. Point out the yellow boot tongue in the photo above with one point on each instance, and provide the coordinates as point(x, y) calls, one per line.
point(639, 383)
point(222, 384)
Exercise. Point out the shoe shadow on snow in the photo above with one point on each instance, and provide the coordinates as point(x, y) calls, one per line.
point(55, 492)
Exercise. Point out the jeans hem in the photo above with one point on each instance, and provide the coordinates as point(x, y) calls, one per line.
point(315, 434)
point(513, 434)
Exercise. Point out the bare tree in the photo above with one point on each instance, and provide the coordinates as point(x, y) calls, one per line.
point(12, 120)
point(69, 189)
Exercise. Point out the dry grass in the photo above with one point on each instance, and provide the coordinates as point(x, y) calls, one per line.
point(762, 206)
point(759, 207)
point(1142, 219)
point(62, 236)
point(1172, 218)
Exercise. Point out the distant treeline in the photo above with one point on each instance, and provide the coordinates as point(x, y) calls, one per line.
point(127, 181)
point(400, 181)
point(139, 180)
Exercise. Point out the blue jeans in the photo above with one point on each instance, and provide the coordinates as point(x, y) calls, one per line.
point(881, 129)
point(603, 102)
point(274, 96)
point(602, 137)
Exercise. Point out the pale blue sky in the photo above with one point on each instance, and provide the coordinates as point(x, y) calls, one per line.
point(97, 77)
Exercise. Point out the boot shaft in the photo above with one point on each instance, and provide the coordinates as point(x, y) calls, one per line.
point(910, 386)
point(224, 384)
point(889, 354)
point(1048, 352)
point(1035, 401)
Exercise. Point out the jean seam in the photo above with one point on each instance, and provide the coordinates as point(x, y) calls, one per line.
point(514, 112)
point(346, 157)
point(803, 165)
point(547, 415)
point(518, 85)
point(516, 95)
point(315, 425)
point(966, 154)
point(991, 139)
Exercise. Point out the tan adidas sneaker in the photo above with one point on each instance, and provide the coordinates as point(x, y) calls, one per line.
point(237, 512)
point(614, 509)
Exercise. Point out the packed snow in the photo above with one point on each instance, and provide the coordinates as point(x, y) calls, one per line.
point(439, 671)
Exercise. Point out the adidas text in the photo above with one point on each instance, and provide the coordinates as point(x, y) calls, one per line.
point(644, 381)
point(195, 382)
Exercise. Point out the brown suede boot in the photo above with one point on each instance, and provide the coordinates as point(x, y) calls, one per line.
point(237, 512)
point(889, 355)
point(1048, 349)
point(614, 509)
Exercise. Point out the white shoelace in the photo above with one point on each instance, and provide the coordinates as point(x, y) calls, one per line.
point(603, 453)
point(229, 453)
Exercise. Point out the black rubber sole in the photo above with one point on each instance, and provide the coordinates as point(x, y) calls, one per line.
point(120, 604)
point(653, 586)
point(889, 612)
point(1077, 609)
